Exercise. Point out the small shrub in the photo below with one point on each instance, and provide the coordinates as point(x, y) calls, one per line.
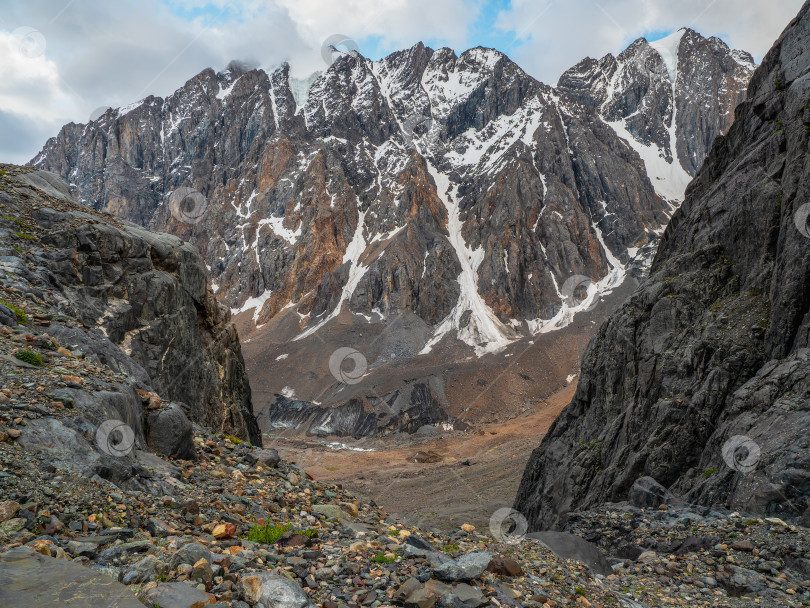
point(233, 440)
point(267, 534)
point(22, 318)
point(382, 558)
point(450, 548)
point(30, 357)
point(25, 236)
point(708, 473)
point(271, 533)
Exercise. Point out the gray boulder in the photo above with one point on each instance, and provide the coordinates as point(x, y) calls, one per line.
point(191, 553)
point(569, 546)
point(281, 592)
point(176, 595)
point(169, 433)
point(7, 316)
point(465, 568)
point(739, 581)
point(647, 493)
point(268, 458)
point(31, 580)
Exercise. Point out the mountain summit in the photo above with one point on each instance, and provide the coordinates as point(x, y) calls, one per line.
point(429, 202)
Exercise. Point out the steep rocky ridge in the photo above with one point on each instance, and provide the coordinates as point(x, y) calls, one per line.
point(669, 99)
point(135, 302)
point(450, 195)
point(702, 379)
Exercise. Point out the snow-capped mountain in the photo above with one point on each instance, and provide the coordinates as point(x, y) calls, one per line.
point(669, 99)
point(452, 190)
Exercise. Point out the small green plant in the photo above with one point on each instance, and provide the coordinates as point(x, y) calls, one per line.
point(24, 235)
point(22, 318)
point(382, 558)
point(267, 534)
point(233, 440)
point(580, 591)
point(451, 547)
point(2, 172)
point(393, 532)
point(162, 577)
point(271, 533)
point(19, 249)
point(708, 473)
point(778, 84)
point(30, 357)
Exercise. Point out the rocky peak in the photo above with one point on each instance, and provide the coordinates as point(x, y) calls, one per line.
point(453, 187)
point(669, 99)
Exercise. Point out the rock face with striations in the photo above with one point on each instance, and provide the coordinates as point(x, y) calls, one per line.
point(137, 301)
point(701, 380)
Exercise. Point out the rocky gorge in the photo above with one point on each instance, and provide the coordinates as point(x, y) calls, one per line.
point(399, 268)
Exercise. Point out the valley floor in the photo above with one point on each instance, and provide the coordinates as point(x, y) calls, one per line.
point(434, 482)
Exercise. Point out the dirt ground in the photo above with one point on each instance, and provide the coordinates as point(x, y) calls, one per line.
point(434, 482)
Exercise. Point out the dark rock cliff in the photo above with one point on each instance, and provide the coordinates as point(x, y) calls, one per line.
point(137, 301)
point(702, 379)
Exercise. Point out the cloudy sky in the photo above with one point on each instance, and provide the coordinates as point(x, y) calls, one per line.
point(62, 59)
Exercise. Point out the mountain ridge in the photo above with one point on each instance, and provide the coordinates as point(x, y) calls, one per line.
point(452, 187)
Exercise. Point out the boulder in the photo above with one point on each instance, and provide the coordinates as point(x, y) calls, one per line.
point(465, 568)
point(8, 509)
point(7, 316)
point(169, 433)
point(740, 581)
point(504, 566)
point(281, 592)
point(268, 458)
point(178, 595)
point(646, 493)
point(190, 553)
point(32, 580)
point(569, 546)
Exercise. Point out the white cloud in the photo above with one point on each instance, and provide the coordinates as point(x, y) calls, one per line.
point(553, 35)
point(31, 83)
point(399, 23)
